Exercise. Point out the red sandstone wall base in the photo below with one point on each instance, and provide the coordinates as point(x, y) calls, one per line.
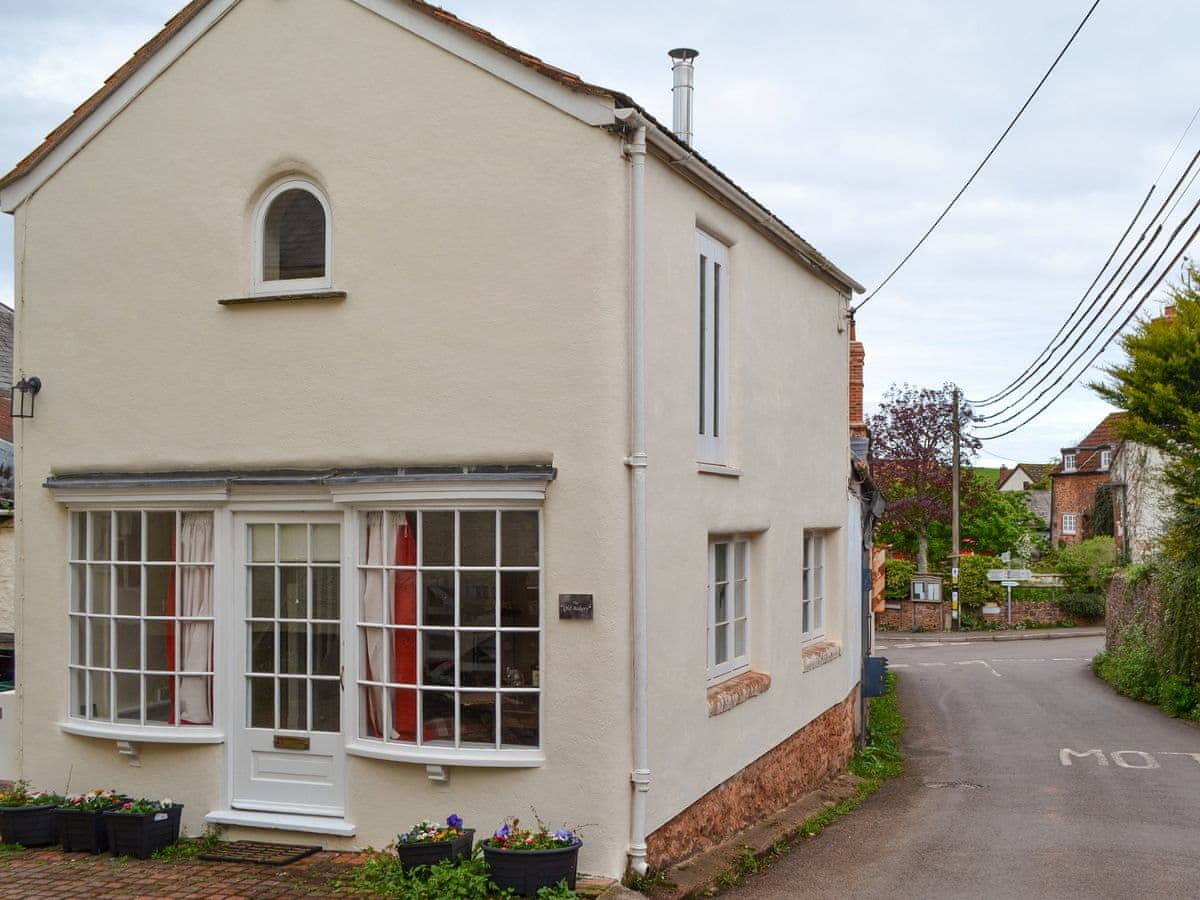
point(803, 762)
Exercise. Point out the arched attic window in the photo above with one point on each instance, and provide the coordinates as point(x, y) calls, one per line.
point(293, 239)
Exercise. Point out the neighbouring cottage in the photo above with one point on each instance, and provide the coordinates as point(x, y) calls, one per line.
point(1084, 467)
point(467, 443)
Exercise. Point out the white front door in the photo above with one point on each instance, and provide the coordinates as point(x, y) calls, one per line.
point(288, 752)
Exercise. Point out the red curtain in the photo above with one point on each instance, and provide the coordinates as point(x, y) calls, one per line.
point(404, 641)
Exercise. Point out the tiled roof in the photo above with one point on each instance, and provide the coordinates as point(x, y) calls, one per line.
point(189, 12)
point(1103, 437)
point(567, 79)
point(1036, 470)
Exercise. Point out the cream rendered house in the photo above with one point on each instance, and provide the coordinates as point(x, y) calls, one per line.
point(422, 430)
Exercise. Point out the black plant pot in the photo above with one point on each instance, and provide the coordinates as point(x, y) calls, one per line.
point(433, 852)
point(29, 826)
point(82, 830)
point(140, 834)
point(528, 871)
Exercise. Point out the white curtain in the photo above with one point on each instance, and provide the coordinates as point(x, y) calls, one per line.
point(196, 599)
point(373, 600)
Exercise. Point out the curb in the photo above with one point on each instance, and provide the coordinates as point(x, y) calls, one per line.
point(959, 637)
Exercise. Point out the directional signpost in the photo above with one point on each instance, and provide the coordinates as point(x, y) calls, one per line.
point(1009, 578)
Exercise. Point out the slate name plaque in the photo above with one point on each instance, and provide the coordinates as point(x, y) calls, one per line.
point(575, 606)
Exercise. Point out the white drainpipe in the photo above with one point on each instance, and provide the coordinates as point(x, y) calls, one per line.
point(637, 461)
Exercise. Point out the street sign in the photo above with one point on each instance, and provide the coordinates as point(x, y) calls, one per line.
point(1009, 574)
point(1010, 584)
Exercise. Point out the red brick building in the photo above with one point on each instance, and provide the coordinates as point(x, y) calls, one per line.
point(1084, 467)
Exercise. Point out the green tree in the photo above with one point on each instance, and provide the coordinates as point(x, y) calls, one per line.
point(995, 521)
point(1158, 386)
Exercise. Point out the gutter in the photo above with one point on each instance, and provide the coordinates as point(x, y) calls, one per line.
point(637, 461)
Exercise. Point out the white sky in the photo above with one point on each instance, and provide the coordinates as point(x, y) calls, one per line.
point(855, 121)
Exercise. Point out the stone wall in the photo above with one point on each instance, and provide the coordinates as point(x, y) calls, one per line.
point(1128, 604)
point(926, 616)
point(803, 762)
point(929, 615)
point(1044, 612)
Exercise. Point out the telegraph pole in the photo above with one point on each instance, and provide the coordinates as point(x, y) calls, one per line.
point(955, 621)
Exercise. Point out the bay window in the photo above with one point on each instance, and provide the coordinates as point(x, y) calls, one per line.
point(141, 615)
point(449, 628)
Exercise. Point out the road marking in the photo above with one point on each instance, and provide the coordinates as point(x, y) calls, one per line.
point(1065, 754)
point(931, 664)
point(980, 662)
point(899, 666)
point(1119, 757)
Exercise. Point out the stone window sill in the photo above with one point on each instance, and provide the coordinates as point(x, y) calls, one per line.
point(300, 297)
point(718, 469)
point(819, 653)
point(736, 691)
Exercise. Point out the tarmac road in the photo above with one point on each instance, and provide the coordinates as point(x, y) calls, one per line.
point(997, 799)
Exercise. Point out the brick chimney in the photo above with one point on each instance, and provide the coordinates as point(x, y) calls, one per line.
point(858, 355)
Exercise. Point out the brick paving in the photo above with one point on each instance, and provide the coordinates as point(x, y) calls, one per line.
point(54, 875)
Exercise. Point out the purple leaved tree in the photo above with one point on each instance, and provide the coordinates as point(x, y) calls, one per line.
point(911, 456)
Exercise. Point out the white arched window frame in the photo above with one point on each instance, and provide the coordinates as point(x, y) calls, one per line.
point(265, 285)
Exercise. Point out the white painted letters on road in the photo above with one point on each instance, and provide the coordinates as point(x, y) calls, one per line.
point(1065, 754)
point(1119, 758)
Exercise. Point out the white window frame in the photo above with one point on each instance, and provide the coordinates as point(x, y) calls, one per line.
point(112, 727)
point(711, 408)
point(737, 574)
point(289, 285)
point(812, 591)
point(1069, 523)
point(1070, 461)
point(384, 746)
point(1105, 459)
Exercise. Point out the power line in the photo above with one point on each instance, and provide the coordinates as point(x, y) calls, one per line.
point(979, 168)
point(995, 419)
point(1129, 318)
point(1050, 347)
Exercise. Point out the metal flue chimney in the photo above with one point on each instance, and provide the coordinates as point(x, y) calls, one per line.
point(684, 73)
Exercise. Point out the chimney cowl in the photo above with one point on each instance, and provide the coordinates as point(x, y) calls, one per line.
point(682, 90)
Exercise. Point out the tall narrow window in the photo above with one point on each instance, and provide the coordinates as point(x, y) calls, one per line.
point(1069, 460)
point(712, 350)
point(293, 240)
point(728, 608)
point(813, 596)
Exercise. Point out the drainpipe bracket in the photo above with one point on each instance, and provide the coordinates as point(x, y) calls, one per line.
point(637, 460)
point(641, 778)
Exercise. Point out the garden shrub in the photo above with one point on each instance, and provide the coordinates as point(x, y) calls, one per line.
point(898, 573)
point(1087, 566)
point(1131, 668)
point(974, 590)
point(1176, 696)
point(1082, 606)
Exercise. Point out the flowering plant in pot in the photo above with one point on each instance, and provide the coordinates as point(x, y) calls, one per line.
point(525, 860)
point(138, 827)
point(27, 816)
point(427, 843)
point(80, 825)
